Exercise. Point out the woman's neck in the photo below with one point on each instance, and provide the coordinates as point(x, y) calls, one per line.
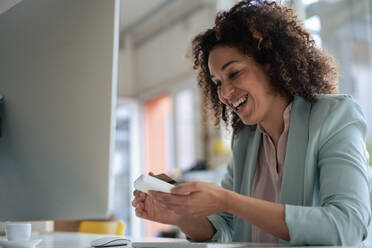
point(274, 122)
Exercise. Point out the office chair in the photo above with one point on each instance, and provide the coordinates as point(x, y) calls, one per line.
point(102, 227)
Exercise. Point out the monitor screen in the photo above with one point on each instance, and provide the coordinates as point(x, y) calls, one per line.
point(58, 76)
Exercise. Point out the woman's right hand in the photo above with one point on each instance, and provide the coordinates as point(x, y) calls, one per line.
point(148, 208)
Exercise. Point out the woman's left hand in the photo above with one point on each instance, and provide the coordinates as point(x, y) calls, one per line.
point(194, 199)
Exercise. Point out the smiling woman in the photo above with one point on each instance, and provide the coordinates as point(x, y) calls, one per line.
point(299, 172)
point(243, 86)
point(276, 40)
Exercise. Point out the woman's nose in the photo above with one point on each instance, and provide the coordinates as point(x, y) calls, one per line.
point(226, 91)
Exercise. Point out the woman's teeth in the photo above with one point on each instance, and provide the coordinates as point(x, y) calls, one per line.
point(240, 102)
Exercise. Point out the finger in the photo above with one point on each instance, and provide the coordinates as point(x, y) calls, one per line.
point(158, 195)
point(141, 205)
point(139, 213)
point(142, 196)
point(187, 188)
point(141, 209)
point(163, 205)
point(138, 193)
point(136, 201)
point(180, 210)
point(166, 198)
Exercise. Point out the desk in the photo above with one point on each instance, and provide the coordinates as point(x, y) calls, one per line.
point(79, 240)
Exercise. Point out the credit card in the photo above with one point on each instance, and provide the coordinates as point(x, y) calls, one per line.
point(165, 178)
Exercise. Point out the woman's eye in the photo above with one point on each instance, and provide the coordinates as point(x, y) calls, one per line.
point(233, 74)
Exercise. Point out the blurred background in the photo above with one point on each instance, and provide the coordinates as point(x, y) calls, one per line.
point(161, 126)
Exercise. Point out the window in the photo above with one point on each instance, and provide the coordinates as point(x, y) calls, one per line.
point(343, 28)
point(185, 129)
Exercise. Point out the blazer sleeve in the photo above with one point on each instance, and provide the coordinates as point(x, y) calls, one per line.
point(344, 213)
point(223, 222)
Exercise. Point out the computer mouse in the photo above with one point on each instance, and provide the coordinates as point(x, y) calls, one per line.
point(110, 242)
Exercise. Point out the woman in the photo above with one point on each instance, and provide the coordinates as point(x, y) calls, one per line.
point(299, 167)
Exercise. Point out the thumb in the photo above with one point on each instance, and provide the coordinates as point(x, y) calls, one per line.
point(187, 188)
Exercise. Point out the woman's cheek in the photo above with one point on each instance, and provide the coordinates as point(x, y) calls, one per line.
point(221, 98)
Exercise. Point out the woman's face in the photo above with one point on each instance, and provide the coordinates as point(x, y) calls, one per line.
point(242, 84)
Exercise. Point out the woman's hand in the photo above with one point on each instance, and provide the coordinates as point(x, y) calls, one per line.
point(148, 208)
point(194, 199)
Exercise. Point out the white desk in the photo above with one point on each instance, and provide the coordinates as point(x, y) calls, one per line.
point(64, 240)
point(78, 240)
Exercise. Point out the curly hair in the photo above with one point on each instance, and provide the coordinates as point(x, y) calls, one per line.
point(272, 35)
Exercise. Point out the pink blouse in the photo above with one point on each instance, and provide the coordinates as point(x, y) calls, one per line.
point(268, 175)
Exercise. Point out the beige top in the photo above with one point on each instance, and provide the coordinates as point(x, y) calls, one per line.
point(268, 175)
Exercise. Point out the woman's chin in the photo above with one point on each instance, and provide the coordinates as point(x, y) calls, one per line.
point(248, 119)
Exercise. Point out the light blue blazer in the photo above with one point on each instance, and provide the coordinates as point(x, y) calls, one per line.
point(325, 185)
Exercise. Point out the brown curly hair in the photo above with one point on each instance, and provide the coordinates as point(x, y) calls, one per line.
point(272, 35)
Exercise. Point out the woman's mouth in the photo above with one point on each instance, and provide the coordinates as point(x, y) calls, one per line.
point(238, 105)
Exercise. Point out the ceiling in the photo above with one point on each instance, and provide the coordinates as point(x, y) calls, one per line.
point(7, 4)
point(132, 11)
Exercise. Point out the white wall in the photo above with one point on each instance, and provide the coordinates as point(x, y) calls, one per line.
point(168, 50)
point(160, 65)
point(160, 62)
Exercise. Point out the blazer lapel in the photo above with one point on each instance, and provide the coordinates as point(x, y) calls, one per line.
point(246, 156)
point(292, 190)
point(251, 160)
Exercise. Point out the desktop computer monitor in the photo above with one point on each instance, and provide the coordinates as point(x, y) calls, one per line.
point(58, 75)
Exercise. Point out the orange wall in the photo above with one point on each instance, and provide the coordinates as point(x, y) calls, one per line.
point(156, 113)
